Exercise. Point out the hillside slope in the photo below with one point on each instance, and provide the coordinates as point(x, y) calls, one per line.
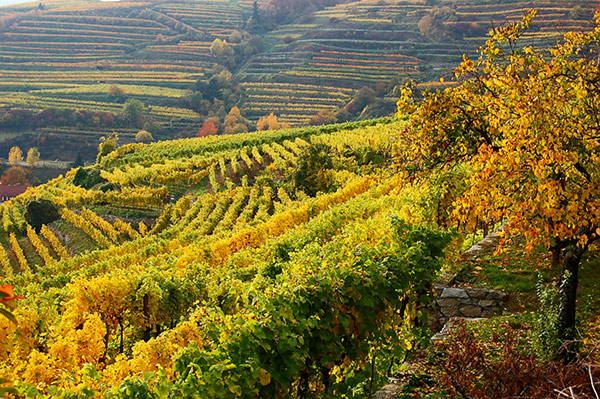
point(68, 68)
point(176, 241)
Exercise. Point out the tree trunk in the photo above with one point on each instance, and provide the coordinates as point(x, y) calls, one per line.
point(568, 297)
point(106, 342)
point(146, 312)
point(121, 329)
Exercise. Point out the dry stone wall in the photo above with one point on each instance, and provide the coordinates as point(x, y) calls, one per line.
point(465, 302)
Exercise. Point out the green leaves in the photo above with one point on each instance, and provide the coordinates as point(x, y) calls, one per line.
point(321, 321)
point(4, 390)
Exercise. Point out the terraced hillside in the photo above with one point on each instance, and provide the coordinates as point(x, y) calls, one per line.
point(167, 234)
point(163, 182)
point(366, 42)
point(95, 56)
point(67, 68)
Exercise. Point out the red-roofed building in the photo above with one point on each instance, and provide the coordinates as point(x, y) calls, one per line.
point(8, 192)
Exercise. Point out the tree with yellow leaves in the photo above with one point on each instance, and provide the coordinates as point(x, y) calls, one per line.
point(107, 145)
point(33, 156)
point(268, 122)
point(528, 126)
point(143, 136)
point(15, 155)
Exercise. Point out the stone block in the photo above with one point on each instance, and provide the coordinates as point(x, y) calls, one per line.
point(454, 293)
point(446, 302)
point(468, 301)
point(471, 311)
point(477, 293)
point(449, 311)
point(495, 295)
point(486, 303)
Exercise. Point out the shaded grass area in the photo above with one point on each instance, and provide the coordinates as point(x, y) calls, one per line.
point(126, 212)
point(77, 240)
point(518, 273)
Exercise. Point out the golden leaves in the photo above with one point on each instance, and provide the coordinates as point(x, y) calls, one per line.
point(524, 125)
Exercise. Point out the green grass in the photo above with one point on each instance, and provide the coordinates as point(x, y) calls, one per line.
point(126, 213)
point(200, 188)
point(517, 272)
point(78, 241)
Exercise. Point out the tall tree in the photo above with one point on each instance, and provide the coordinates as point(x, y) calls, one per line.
point(15, 155)
point(134, 110)
point(528, 125)
point(33, 156)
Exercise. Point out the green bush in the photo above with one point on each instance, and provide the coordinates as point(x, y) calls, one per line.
point(311, 174)
point(39, 212)
point(87, 178)
point(544, 333)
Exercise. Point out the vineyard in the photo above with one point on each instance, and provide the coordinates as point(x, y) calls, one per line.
point(300, 262)
point(159, 247)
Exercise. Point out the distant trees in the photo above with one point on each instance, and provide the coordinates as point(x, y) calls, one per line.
point(134, 111)
point(432, 24)
point(78, 161)
point(215, 94)
point(270, 122)
point(323, 117)
point(224, 52)
point(209, 128)
point(236, 37)
point(143, 136)
point(251, 45)
point(363, 97)
point(276, 12)
point(21, 119)
point(115, 91)
point(235, 122)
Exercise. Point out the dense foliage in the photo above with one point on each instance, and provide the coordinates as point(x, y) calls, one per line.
point(220, 267)
point(526, 124)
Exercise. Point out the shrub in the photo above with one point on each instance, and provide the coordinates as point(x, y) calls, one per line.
point(311, 173)
point(505, 367)
point(143, 136)
point(87, 178)
point(39, 212)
